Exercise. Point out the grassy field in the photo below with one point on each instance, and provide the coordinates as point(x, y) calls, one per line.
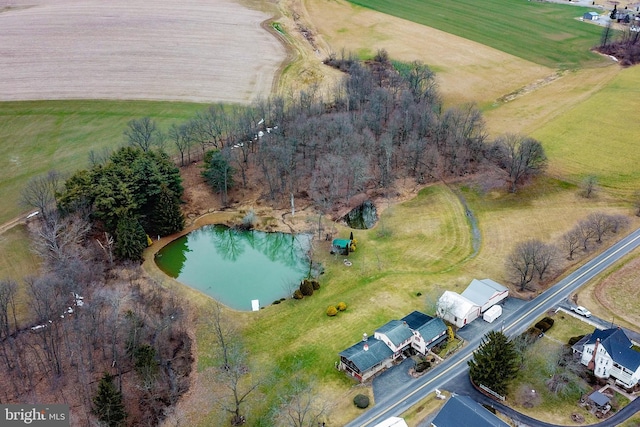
point(545, 33)
point(42, 135)
point(596, 136)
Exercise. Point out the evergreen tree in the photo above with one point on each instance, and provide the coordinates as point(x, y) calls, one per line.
point(131, 240)
point(166, 217)
point(495, 362)
point(107, 403)
point(219, 174)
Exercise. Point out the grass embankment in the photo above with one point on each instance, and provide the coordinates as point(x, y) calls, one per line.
point(38, 136)
point(544, 33)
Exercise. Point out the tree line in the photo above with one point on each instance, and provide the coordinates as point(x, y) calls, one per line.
point(385, 121)
point(534, 262)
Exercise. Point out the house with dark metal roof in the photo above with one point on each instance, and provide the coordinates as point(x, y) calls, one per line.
point(609, 353)
point(462, 411)
point(396, 334)
point(416, 331)
point(365, 359)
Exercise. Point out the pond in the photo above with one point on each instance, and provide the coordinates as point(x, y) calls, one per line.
point(237, 266)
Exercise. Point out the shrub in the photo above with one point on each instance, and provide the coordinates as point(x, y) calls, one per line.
point(297, 294)
point(574, 340)
point(543, 325)
point(306, 288)
point(315, 284)
point(249, 220)
point(423, 366)
point(361, 401)
point(533, 332)
point(418, 294)
point(549, 320)
point(277, 301)
point(341, 306)
point(332, 311)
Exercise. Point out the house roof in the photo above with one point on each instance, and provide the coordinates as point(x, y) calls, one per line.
point(392, 422)
point(396, 330)
point(481, 291)
point(615, 341)
point(455, 304)
point(462, 411)
point(592, 13)
point(366, 359)
point(432, 329)
point(599, 398)
point(416, 319)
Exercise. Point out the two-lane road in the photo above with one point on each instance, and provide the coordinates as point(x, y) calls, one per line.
point(399, 400)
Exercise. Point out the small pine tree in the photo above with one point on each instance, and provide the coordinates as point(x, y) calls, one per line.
point(166, 217)
point(495, 362)
point(107, 403)
point(131, 240)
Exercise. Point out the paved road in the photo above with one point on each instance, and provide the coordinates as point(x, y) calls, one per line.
point(408, 393)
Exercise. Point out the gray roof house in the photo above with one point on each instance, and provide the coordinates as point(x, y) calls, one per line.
point(462, 411)
point(372, 355)
point(396, 334)
point(590, 16)
point(365, 359)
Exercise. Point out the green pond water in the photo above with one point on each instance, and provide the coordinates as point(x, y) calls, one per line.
point(237, 266)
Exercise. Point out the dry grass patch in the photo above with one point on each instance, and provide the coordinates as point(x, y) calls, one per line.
point(425, 407)
point(615, 296)
point(544, 210)
point(466, 71)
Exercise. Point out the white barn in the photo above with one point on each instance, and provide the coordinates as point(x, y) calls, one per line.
point(480, 295)
point(456, 309)
point(485, 293)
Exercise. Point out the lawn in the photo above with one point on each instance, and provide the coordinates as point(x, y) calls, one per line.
point(39, 136)
point(537, 368)
point(544, 33)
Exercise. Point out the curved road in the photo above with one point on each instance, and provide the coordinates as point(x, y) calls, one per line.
point(411, 392)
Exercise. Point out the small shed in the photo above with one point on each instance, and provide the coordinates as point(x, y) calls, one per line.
point(599, 399)
point(341, 246)
point(590, 16)
point(492, 314)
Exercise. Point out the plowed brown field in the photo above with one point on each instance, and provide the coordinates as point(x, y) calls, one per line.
point(192, 50)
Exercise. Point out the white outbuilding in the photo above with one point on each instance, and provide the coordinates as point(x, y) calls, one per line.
point(456, 309)
point(480, 296)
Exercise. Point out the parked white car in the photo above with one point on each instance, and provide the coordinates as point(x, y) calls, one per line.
point(581, 311)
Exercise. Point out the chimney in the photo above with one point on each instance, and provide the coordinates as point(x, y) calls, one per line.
point(592, 363)
point(365, 337)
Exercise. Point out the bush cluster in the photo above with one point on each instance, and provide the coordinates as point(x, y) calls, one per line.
point(574, 340)
point(423, 365)
point(332, 310)
point(361, 401)
point(544, 325)
point(306, 288)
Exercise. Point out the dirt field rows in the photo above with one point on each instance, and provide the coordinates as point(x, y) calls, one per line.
point(193, 50)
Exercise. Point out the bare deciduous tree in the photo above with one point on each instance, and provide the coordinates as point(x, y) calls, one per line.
point(142, 133)
point(521, 157)
point(233, 371)
point(301, 407)
point(40, 192)
point(589, 186)
point(521, 262)
point(571, 242)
